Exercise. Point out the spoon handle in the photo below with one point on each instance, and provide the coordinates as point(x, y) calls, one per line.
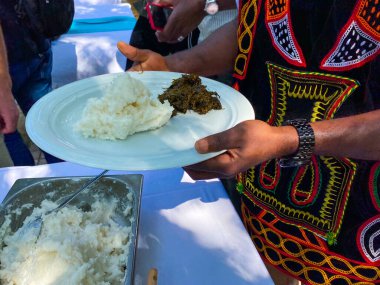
point(85, 186)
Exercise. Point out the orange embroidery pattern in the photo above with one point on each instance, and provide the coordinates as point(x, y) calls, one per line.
point(245, 36)
point(280, 28)
point(358, 41)
point(313, 197)
point(306, 253)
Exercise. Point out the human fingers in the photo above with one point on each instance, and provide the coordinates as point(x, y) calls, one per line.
point(133, 53)
point(176, 28)
point(136, 67)
point(164, 2)
point(163, 38)
point(224, 165)
point(8, 122)
point(218, 142)
point(185, 17)
point(9, 112)
point(247, 144)
point(143, 59)
point(171, 32)
point(200, 175)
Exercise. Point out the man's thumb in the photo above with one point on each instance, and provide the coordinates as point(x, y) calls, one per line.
point(131, 52)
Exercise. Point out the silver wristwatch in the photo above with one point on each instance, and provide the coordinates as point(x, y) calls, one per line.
point(305, 146)
point(211, 7)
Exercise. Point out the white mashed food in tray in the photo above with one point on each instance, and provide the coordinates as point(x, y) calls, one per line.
point(127, 107)
point(75, 247)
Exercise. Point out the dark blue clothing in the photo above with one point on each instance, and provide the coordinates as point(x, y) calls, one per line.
point(30, 66)
point(31, 79)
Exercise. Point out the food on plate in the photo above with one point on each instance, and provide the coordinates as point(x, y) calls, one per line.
point(75, 247)
point(127, 107)
point(188, 93)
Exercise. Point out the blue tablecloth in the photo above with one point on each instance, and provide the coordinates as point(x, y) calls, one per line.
point(105, 24)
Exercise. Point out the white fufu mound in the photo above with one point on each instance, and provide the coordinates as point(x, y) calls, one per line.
point(127, 107)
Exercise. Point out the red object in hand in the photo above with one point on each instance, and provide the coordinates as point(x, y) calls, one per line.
point(158, 15)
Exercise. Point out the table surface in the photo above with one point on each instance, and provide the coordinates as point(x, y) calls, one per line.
point(188, 230)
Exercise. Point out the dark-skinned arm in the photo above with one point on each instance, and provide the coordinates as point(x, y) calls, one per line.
point(355, 137)
point(186, 16)
point(252, 142)
point(215, 55)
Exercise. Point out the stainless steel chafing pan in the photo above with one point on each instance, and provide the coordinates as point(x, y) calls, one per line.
point(27, 194)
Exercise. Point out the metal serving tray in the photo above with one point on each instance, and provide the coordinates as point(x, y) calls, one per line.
point(33, 191)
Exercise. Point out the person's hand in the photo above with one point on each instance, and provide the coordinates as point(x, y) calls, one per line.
point(8, 109)
point(166, 2)
point(143, 59)
point(186, 16)
point(246, 145)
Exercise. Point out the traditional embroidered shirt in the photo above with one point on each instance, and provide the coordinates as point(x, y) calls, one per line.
point(317, 60)
point(21, 42)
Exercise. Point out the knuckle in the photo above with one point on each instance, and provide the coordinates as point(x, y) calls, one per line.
point(229, 170)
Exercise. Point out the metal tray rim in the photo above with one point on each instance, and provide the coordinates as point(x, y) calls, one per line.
point(136, 179)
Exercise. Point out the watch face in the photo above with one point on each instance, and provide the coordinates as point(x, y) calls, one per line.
point(212, 8)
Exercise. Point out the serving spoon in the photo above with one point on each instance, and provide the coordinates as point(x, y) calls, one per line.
point(35, 226)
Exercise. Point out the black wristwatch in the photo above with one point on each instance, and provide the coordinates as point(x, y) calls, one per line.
point(305, 146)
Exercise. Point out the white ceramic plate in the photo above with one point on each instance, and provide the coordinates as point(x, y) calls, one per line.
point(50, 122)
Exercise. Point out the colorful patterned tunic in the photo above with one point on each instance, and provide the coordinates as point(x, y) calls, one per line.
point(318, 60)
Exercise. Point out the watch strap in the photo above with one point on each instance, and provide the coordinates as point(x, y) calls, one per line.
point(305, 146)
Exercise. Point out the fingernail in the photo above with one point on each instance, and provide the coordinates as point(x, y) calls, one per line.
point(158, 36)
point(201, 146)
